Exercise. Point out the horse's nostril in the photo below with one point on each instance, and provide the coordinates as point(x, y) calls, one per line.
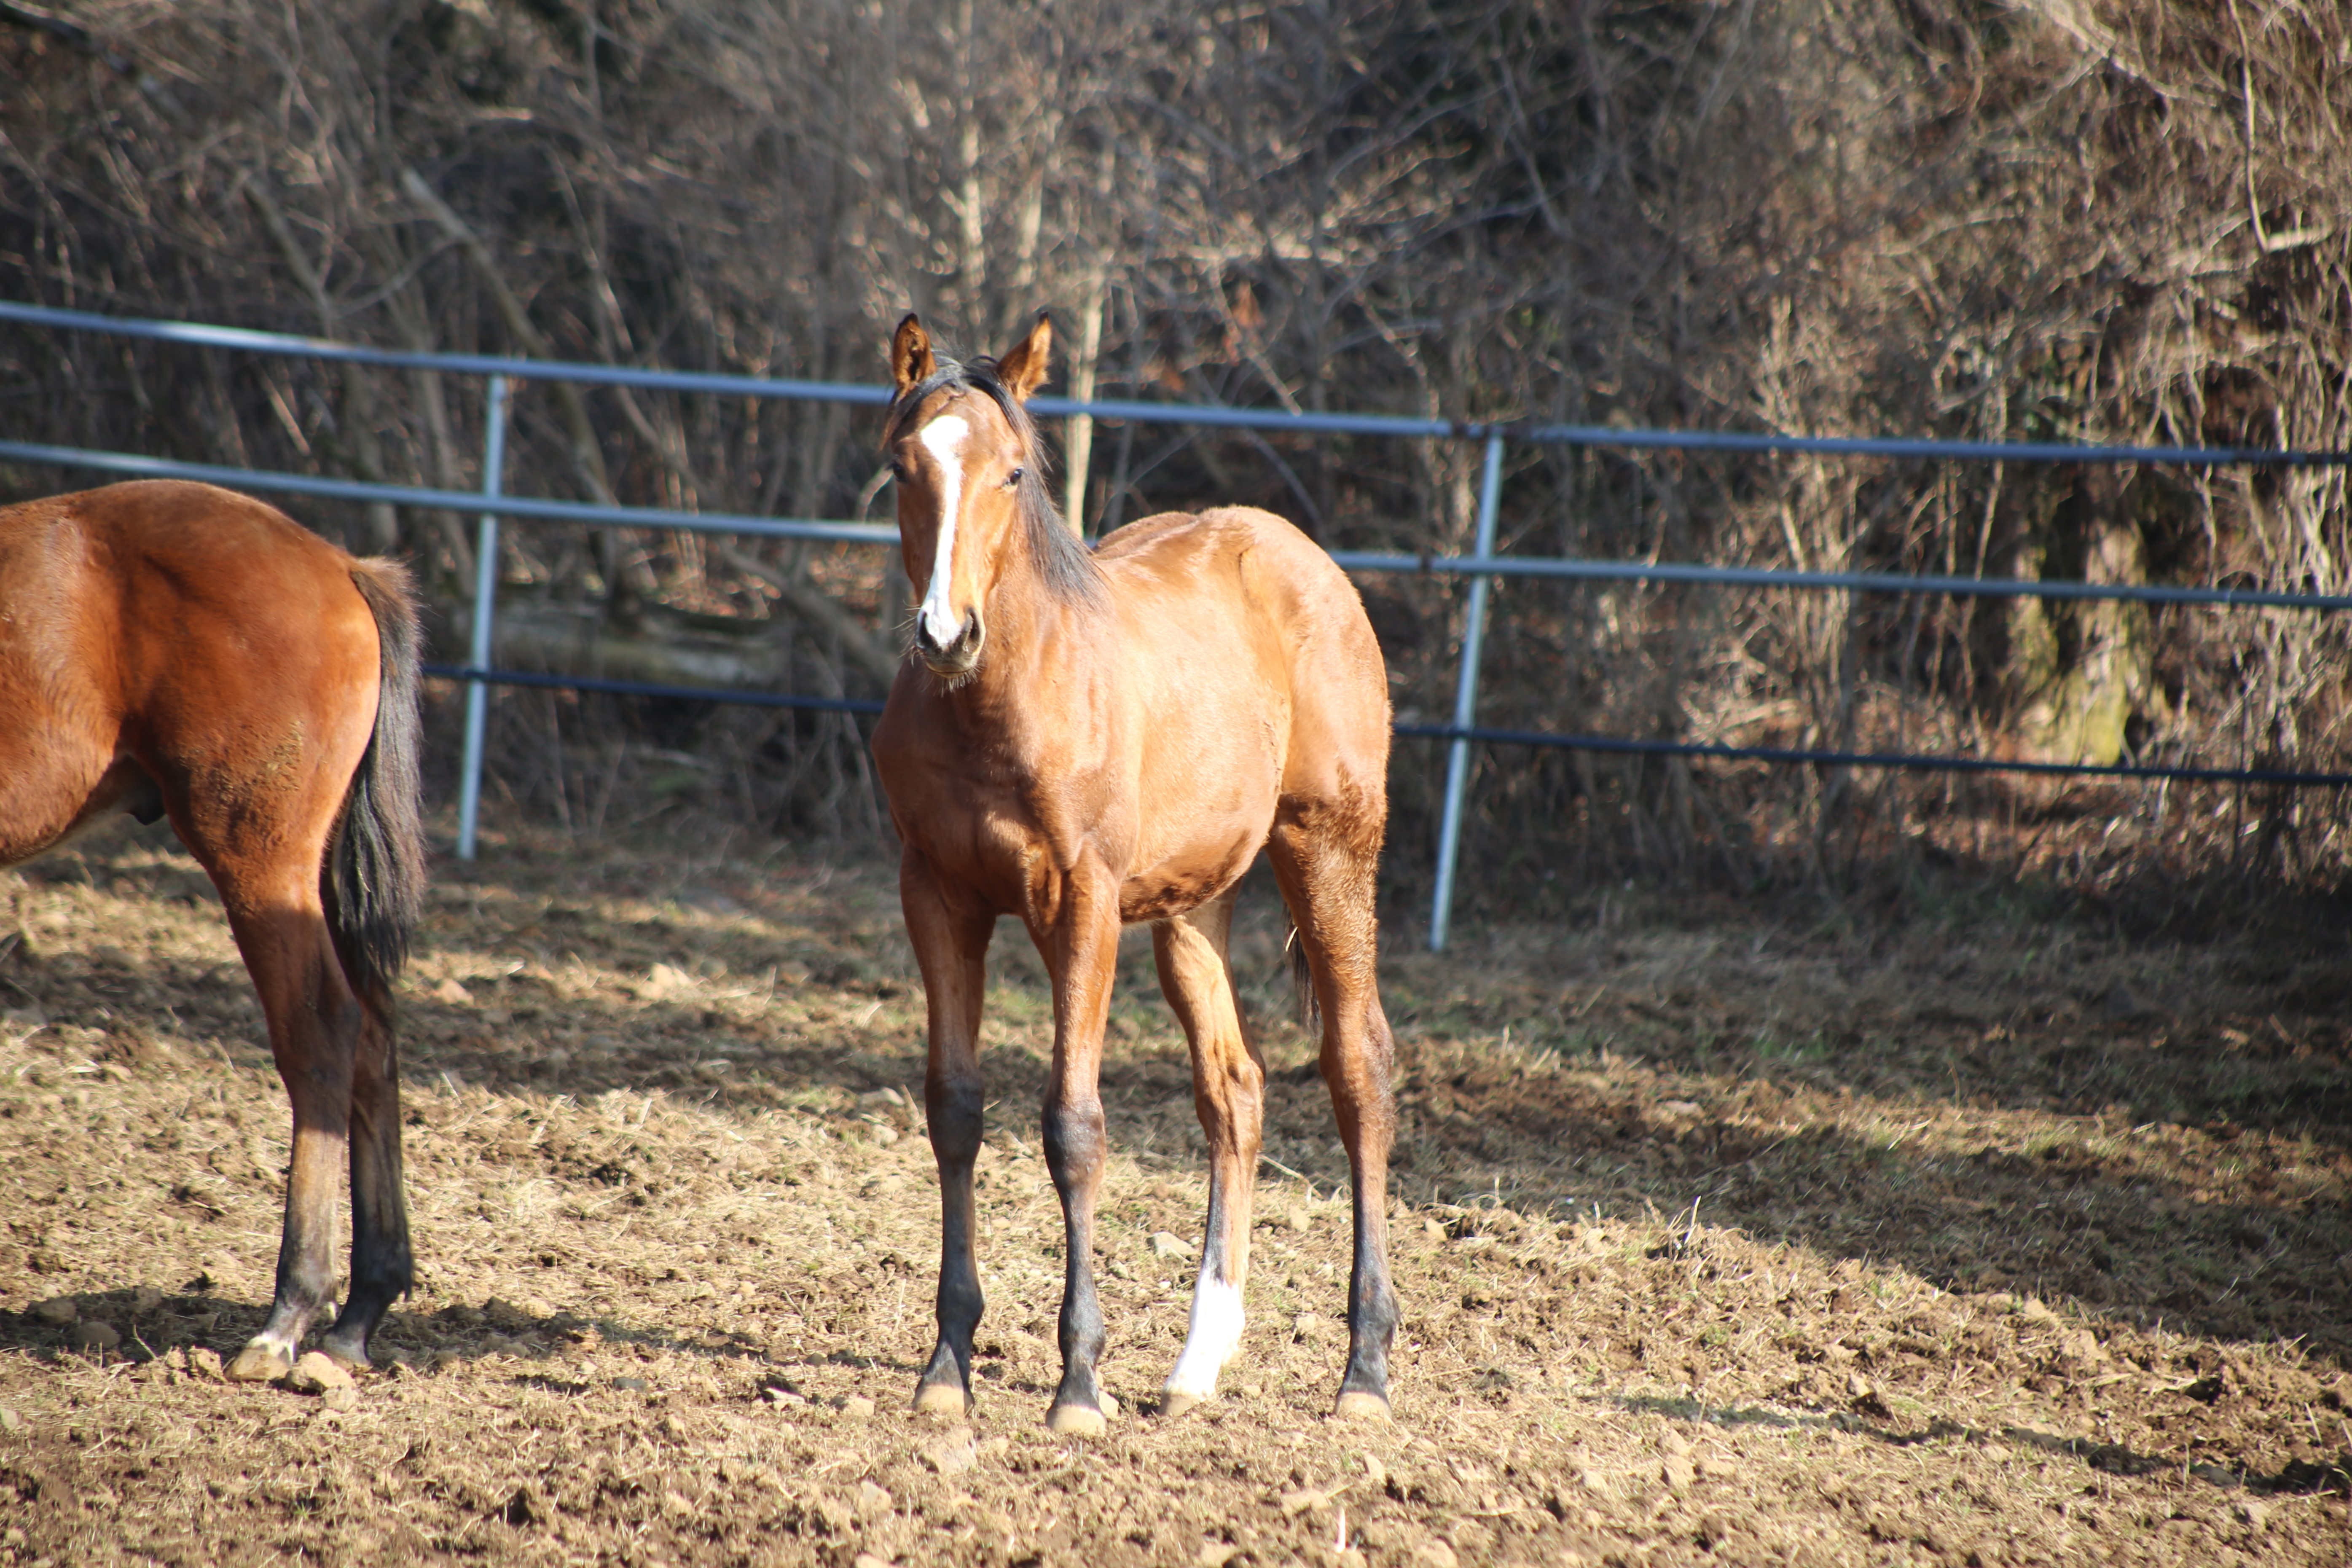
point(928, 639)
point(955, 652)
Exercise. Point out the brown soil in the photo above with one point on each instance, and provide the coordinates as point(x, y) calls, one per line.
point(1977, 1240)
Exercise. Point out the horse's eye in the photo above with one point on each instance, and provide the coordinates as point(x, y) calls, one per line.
point(1012, 479)
point(897, 470)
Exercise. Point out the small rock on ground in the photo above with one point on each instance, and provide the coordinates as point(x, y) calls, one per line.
point(94, 1335)
point(953, 1454)
point(317, 1373)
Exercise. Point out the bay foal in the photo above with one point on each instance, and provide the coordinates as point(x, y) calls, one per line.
point(1084, 739)
point(174, 649)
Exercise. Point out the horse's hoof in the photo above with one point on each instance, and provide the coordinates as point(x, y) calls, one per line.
point(942, 1399)
point(1076, 1421)
point(1357, 1405)
point(259, 1364)
point(1174, 1403)
point(346, 1357)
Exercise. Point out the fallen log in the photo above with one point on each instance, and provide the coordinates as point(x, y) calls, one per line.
point(665, 647)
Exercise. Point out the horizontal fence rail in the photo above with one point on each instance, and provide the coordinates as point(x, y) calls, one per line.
point(288, 346)
point(1917, 761)
point(139, 466)
point(1554, 567)
point(1922, 761)
point(1209, 416)
point(1481, 567)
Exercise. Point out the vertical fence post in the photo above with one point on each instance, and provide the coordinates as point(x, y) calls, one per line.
point(486, 592)
point(1466, 698)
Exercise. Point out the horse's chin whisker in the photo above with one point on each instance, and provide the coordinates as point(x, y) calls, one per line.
point(954, 679)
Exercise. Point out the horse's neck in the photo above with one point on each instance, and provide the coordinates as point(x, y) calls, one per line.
point(1048, 656)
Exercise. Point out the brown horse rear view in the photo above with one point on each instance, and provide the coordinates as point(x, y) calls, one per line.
point(168, 647)
point(1092, 739)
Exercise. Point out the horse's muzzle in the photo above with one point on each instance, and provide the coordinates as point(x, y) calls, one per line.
point(959, 657)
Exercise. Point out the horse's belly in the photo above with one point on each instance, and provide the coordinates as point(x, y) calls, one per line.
point(1187, 881)
point(1208, 798)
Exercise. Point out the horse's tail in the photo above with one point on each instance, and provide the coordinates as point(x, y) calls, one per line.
point(375, 871)
point(1302, 973)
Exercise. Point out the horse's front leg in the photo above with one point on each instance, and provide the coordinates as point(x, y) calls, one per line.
point(951, 946)
point(1081, 949)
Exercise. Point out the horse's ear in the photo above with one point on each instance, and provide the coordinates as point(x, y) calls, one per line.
point(911, 355)
point(1022, 367)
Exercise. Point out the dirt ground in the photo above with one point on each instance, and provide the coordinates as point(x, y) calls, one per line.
point(1722, 1235)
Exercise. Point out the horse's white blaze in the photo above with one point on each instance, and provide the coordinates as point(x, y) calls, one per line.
point(944, 438)
point(1209, 1341)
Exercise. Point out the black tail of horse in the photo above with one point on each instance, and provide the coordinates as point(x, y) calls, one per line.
point(374, 880)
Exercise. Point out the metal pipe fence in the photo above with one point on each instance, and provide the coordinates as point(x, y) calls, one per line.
point(1481, 567)
point(486, 592)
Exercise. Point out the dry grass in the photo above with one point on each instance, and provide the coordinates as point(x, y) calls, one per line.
point(1721, 1239)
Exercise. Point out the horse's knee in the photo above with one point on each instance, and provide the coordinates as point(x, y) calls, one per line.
point(1075, 1141)
point(953, 1106)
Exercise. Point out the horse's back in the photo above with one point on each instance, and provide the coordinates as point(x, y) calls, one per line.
point(183, 524)
point(194, 543)
point(1250, 584)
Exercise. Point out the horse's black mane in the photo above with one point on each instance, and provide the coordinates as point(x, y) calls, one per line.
point(1061, 558)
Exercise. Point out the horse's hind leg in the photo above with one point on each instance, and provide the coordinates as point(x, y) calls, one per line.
point(1325, 854)
point(1229, 1094)
point(315, 1024)
point(382, 1265)
point(261, 826)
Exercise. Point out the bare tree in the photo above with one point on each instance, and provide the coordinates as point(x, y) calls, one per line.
point(2073, 218)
